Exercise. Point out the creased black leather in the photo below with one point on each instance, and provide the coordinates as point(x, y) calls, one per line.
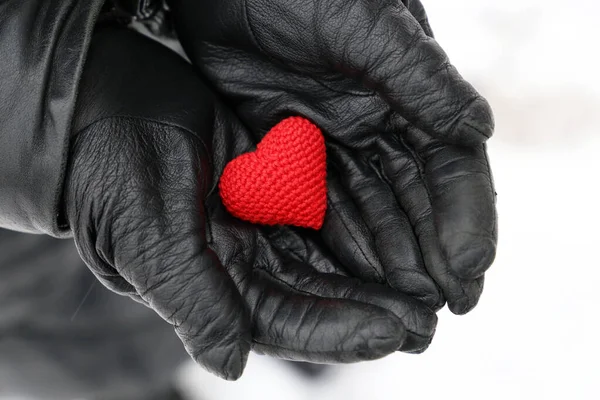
point(42, 49)
point(411, 199)
point(149, 144)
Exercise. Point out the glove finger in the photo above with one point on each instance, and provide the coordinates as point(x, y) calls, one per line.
point(395, 242)
point(462, 194)
point(418, 12)
point(381, 45)
point(418, 319)
point(293, 325)
point(287, 323)
point(163, 254)
point(404, 175)
point(410, 71)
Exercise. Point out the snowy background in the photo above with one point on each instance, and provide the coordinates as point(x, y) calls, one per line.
point(536, 331)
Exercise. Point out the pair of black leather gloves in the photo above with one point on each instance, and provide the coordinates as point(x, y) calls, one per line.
point(411, 221)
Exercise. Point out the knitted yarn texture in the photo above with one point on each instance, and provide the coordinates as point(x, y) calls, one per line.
point(282, 182)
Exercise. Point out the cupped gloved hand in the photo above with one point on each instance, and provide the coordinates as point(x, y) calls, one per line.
point(148, 146)
point(411, 199)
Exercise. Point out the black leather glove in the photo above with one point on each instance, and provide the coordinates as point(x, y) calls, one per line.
point(404, 205)
point(148, 146)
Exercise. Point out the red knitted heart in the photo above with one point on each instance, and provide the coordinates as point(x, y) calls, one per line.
point(283, 181)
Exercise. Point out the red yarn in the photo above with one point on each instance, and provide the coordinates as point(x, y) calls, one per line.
point(283, 182)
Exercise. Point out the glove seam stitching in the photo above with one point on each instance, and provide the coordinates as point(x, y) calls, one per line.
point(334, 209)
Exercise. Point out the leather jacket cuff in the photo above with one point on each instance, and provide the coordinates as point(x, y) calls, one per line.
point(43, 45)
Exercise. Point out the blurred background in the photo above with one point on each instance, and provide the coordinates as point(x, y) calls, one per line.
point(535, 333)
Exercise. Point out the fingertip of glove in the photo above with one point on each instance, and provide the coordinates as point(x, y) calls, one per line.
point(470, 261)
point(465, 303)
point(476, 124)
point(232, 361)
point(382, 335)
point(462, 306)
point(225, 352)
point(235, 368)
point(418, 285)
point(415, 344)
point(420, 336)
point(433, 300)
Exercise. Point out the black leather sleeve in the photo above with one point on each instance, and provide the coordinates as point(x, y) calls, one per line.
point(42, 50)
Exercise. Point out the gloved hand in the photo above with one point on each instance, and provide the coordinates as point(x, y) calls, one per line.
point(408, 200)
point(148, 146)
